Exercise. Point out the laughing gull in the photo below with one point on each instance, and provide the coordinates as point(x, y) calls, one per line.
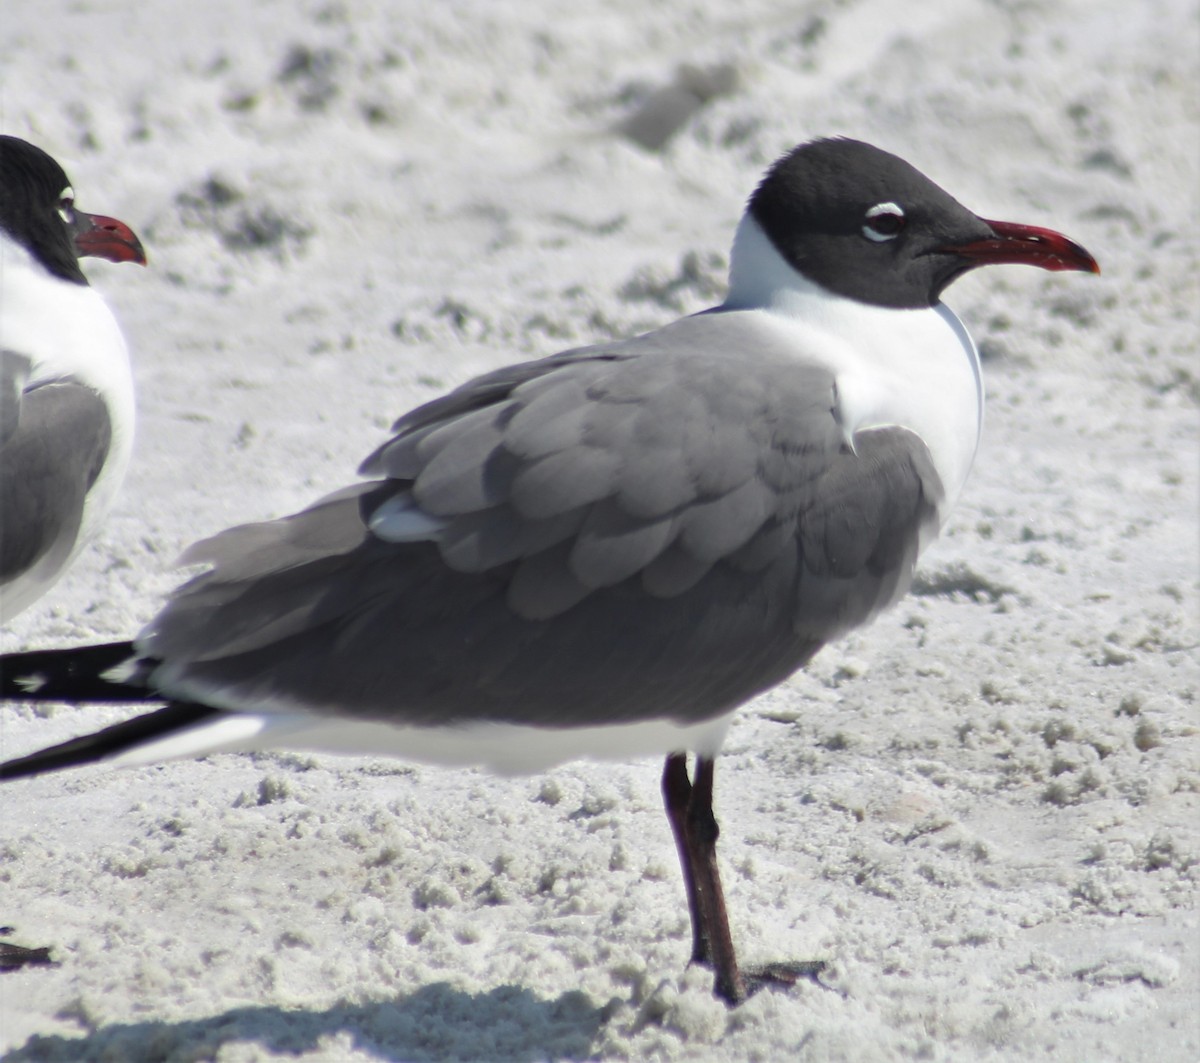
point(66, 391)
point(605, 552)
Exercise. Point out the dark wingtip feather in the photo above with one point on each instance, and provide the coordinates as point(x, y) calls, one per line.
point(107, 743)
point(78, 674)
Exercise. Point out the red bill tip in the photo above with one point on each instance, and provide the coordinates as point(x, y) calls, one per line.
point(1027, 245)
point(103, 237)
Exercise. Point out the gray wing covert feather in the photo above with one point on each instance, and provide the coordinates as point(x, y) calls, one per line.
point(267, 581)
point(871, 513)
point(636, 461)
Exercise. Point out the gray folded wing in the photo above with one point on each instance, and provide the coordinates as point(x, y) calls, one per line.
point(660, 528)
point(54, 439)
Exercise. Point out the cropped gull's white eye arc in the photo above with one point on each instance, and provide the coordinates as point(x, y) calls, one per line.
point(66, 201)
point(884, 221)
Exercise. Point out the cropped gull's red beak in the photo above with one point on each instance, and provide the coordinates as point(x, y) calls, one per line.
point(104, 237)
point(1028, 245)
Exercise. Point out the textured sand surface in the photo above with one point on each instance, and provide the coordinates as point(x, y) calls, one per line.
point(982, 811)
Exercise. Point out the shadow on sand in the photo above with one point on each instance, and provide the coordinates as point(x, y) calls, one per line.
point(436, 1023)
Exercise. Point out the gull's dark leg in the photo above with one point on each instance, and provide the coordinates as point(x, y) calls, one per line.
point(677, 795)
point(702, 834)
point(690, 812)
point(689, 809)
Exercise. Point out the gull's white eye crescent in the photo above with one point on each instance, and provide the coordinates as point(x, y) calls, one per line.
point(66, 201)
point(883, 222)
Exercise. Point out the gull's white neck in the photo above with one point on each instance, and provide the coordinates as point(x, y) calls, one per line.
point(66, 328)
point(917, 369)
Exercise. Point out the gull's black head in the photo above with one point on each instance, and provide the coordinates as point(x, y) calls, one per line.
point(866, 225)
point(37, 210)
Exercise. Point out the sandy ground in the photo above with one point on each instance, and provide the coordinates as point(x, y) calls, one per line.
point(983, 811)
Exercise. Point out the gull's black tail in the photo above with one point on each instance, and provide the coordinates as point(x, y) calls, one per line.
point(79, 674)
point(110, 672)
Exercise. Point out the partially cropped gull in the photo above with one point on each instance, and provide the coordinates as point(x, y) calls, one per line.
point(605, 552)
point(66, 391)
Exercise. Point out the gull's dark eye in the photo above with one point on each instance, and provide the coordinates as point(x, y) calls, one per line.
point(883, 222)
point(66, 205)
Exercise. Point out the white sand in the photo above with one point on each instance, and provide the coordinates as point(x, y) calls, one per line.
point(983, 811)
